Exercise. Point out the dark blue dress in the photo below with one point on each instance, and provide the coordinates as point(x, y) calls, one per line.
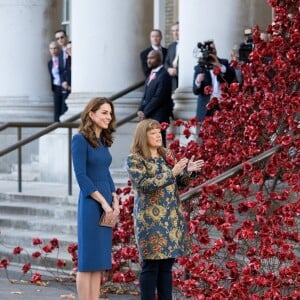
point(91, 166)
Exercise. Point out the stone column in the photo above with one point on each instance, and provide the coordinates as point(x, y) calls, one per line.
point(224, 22)
point(160, 18)
point(107, 37)
point(26, 27)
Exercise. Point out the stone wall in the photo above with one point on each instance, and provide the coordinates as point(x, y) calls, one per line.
point(171, 16)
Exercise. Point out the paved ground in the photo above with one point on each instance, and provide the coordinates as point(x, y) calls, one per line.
point(27, 291)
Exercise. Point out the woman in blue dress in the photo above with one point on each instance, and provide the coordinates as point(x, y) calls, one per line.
point(160, 229)
point(91, 161)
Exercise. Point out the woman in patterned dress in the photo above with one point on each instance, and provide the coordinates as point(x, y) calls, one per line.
point(159, 225)
point(91, 160)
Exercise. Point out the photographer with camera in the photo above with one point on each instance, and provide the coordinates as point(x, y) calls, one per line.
point(246, 47)
point(210, 71)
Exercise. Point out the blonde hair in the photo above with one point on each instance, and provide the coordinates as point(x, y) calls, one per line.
point(140, 143)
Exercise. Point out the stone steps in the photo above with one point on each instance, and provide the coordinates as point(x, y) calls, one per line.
point(24, 217)
point(11, 238)
point(38, 223)
point(57, 211)
point(30, 172)
point(24, 238)
point(43, 210)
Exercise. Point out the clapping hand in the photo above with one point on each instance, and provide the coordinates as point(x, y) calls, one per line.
point(180, 166)
point(194, 166)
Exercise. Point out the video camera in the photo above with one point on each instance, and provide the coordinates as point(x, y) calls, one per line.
point(202, 52)
point(246, 47)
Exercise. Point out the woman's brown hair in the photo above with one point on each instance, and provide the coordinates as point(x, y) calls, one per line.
point(87, 124)
point(139, 144)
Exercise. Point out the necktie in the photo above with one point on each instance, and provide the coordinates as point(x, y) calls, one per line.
point(176, 58)
point(55, 62)
point(65, 56)
point(151, 77)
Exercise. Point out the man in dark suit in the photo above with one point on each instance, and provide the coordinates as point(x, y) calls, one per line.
point(66, 83)
point(155, 39)
point(157, 102)
point(210, 73)
point(53, 68)
point(62, 39)
point(172, 59)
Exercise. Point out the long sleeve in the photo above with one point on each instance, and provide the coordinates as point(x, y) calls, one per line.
point(199, 89)
point(144, 177)
point(79, 156)
point(159, 98)
point(111, 182)
point(171, 52)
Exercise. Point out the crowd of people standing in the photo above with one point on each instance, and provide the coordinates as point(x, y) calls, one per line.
point(157, 102)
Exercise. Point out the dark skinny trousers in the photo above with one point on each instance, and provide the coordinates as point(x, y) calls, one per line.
point(60, 107)
point(156, 275)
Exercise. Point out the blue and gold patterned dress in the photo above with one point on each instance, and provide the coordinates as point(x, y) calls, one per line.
point(160, 228)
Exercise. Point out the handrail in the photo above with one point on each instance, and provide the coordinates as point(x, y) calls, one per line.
point(68, 123)
point(114, 97)
point(24, 124)
point(35, 136)
point(65, 124)
point(227, 174)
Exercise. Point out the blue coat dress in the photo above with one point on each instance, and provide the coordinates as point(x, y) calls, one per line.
point(91, 166)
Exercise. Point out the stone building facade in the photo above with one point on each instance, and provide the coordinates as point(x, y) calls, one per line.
point(107, 37)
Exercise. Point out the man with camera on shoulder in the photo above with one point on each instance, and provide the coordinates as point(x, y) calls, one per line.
point(210, 72)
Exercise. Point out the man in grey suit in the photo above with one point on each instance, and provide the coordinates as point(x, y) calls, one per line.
point(172, 59)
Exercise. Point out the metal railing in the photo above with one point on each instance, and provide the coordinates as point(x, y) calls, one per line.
point(68, 123)
point(228, 174)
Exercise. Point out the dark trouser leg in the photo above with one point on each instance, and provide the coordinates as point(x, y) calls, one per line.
point(148, 279)
point(58, 100)
point(163, 136)
point(164, 132)
point(165, 279)
point(201, 111)
point(64, 107)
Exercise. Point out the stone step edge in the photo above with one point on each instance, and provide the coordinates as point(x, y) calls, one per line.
point(39, 220)
point(34, 198)
point(26, 256)
point(18, 203)
point(14, 269)
point(43, 235)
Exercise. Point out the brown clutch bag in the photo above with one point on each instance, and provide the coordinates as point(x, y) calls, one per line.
point(108, 219)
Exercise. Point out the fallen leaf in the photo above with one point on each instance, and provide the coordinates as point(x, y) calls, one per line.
point(13, 281)
point(17, 293)
point(67, 296)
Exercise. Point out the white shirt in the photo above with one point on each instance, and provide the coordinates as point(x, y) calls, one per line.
point(55, 70)
point(157, 69)
point(156, 47)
